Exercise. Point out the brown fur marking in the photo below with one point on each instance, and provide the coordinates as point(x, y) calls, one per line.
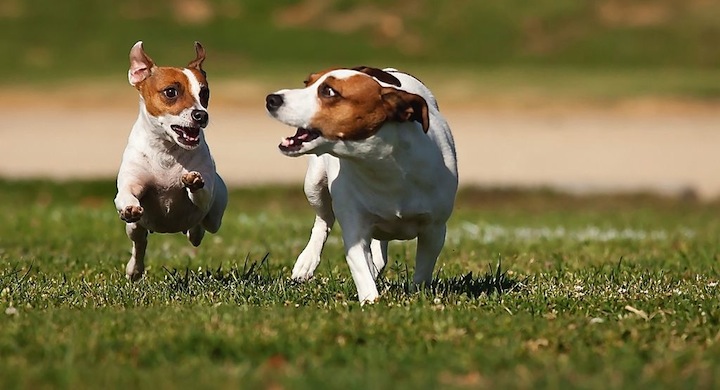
point(363, 106)
point(152, 90)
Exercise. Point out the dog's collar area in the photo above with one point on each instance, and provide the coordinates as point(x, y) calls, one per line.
point(189, 136)
point(302, 135)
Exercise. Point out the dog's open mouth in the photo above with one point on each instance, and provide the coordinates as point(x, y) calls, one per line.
point(189, 136)
point(294, 143)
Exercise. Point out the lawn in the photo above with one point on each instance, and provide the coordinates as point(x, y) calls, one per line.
point(49, 40)
point(533, 290)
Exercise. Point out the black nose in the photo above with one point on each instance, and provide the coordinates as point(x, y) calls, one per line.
point(273, 102)
point(200, 117)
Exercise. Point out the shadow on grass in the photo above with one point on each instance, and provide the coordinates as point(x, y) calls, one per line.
point(254, 273)
point(260, 275)
point(492, 282)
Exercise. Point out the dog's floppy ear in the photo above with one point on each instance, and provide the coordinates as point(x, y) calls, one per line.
point(199, 57)
point(141, 66)
point(379, 74)
point(404, 106)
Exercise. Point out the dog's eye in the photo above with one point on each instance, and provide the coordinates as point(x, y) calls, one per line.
point(170, 92)
point(328, 92)
point(204, 96)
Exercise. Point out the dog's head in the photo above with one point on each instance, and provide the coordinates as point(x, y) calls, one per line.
point(175, 99)
point(339, 105)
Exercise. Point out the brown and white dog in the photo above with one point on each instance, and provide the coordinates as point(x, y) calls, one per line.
point(382, 162)
point(167, 181)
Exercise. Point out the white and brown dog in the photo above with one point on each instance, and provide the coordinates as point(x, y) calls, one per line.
point(167, 181)
point(383, 162)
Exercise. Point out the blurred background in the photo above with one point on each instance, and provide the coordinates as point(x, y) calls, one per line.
point(581, 96)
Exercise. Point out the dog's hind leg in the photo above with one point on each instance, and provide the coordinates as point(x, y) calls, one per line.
point(379, 251)
point(318, 194)
point(213, 219)
point(136, 266)
point(429, 244)
point(195, 235)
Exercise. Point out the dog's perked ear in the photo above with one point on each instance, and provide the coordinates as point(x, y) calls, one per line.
point(379, 74)
point(199, 57)
point(141, 65)
point(404, 106)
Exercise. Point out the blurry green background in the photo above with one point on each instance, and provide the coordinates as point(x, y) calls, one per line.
point(674, 41)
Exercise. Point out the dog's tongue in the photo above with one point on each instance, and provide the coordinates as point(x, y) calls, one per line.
point(300, 135)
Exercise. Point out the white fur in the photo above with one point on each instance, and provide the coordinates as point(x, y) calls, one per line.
point(397, 184)
point(150, 182)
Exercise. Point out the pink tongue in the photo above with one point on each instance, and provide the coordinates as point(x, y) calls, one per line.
point(287, 142)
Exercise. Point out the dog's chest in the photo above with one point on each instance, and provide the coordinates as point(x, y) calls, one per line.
point(168, 209)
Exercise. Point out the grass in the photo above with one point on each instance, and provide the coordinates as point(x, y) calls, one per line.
point(516, 52)
point(47, 41)
point(533, 290)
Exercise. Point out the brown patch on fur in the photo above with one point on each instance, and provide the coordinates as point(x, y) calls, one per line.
point(152, 90)
point(199, 57)
point(362, 106)
point(404, 106)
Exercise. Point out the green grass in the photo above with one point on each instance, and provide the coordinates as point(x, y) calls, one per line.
point(45, 41)
point(533, 290)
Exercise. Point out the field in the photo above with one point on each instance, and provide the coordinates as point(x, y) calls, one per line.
point(533, 290)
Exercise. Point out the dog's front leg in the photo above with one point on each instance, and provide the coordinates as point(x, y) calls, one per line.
point(318, 195)
point(199, 190)
point(429, 244)
point(359, 258)
point(127, 201)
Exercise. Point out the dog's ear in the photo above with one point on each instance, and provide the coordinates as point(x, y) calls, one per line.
point(379, 74)
point(312, 77)
point(199, 57)
point(141, 66)
point(404, 106)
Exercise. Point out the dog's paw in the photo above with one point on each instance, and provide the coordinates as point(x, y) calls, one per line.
point(193, 181)
point(134, 270)
point(305, 266)
point(300, 277)
point(134, 277)
point(131, 214)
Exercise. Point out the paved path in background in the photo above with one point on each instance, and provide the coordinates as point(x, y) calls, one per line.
point(578, 150)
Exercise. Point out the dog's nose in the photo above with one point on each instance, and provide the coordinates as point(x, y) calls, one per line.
point(273, 102)
point(200, 117)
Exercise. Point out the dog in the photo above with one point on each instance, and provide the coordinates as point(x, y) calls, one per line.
point(382, 161)
point(167, 182)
